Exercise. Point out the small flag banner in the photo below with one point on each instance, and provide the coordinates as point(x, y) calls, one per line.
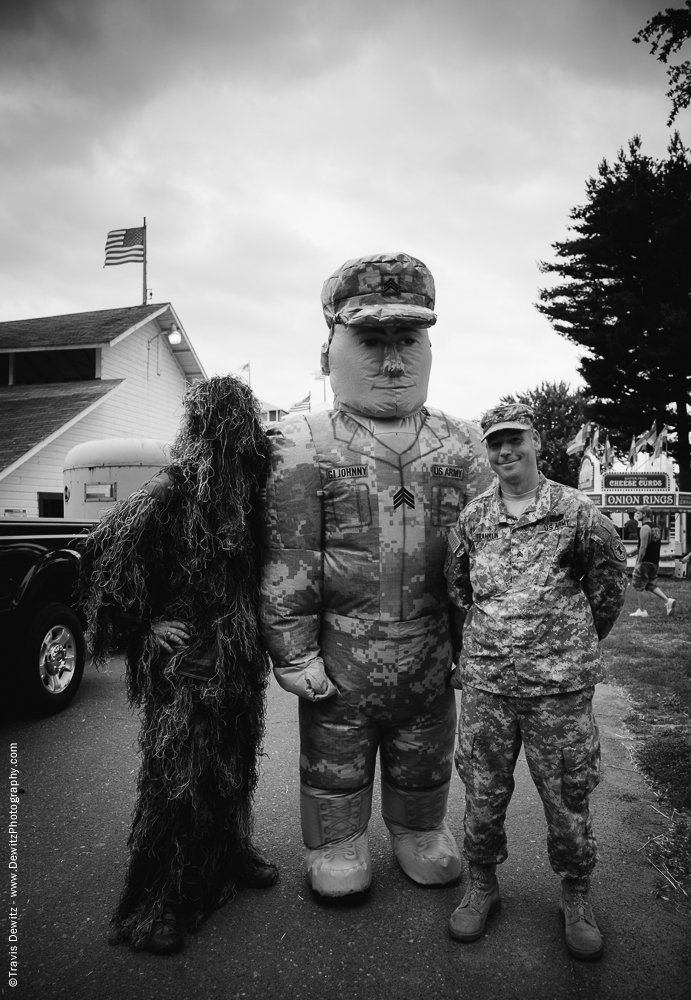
point(578, 443)
point(125, 246)
point(303, 404)
point(661, 440)
point(632, 451)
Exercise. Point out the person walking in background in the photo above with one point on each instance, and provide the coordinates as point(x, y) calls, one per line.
point(647, 564)
point(540, 577)
point(631, 528)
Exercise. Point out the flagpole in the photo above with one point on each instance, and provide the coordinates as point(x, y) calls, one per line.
point(144, 287)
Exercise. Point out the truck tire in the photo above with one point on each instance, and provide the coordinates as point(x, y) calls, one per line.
point(52, 659)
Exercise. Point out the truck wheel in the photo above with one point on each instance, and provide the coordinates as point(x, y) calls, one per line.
point(52, 658)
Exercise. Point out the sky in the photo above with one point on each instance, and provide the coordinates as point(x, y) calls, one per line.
point(268, 141)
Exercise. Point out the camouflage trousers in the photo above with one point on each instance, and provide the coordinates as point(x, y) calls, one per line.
point(562, 747)
point(393, 697)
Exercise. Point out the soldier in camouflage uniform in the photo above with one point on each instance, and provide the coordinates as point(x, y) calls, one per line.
point(354, 609)
point(539, 576)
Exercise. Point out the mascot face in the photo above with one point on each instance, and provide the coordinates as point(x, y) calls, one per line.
point(380, 371)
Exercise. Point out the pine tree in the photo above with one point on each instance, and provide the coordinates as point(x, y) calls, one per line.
point(624, 296)
point(667, 32)
point(559, 412)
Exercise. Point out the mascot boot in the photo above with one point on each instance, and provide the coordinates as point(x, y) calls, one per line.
point(422, 842)
point(334, 828)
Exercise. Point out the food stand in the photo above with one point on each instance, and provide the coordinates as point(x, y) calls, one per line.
point(651, 483)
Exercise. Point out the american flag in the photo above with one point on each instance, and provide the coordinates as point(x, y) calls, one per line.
point(303, 404)
point(124, 246)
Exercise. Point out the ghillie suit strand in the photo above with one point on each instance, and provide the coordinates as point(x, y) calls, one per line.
point(185, 548)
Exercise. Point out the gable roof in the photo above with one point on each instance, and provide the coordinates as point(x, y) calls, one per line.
point(33, 415)
point(102, 328)
point(85, 329)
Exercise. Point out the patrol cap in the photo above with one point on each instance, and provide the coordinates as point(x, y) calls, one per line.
point(385, 288)
point(507, 416)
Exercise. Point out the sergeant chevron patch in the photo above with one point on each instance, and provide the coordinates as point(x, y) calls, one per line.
point(403, 496)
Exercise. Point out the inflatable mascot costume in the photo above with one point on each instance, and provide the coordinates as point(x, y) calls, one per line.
point(172, 573)
point(354, 608)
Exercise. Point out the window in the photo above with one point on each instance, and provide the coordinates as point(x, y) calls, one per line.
point(32, 367)
point(51, 505)
point(4, 369)
point(100, 492)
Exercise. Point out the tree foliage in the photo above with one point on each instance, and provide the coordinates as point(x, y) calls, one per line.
point(624, 296)
point(559, 412)
point(667, 32)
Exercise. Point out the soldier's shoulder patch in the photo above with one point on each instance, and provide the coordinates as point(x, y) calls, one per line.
point(455, 542)
point(604, 531)
point(617, 549)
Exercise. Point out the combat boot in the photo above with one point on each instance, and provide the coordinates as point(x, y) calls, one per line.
point(583, 938)
point(467, 922)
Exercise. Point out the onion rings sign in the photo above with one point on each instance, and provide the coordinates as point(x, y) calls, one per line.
point(627, 501)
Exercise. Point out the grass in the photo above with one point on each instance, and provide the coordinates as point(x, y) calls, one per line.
point(651, 658)
point(670, 854)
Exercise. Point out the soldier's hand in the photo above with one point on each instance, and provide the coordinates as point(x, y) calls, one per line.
point(455, 679)
point(306, 681)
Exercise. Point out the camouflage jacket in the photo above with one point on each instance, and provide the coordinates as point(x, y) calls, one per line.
point(356, 529)
point(538, 591)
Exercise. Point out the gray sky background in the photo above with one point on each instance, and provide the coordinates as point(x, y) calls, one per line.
point(268, 141)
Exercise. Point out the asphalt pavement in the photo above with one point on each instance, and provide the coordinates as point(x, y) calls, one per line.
point(77, 771)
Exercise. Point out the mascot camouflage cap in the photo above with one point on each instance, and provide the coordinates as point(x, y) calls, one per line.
point(384, 288)
point(509, 416)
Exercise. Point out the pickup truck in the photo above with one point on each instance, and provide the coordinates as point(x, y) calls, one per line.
point(39, 617)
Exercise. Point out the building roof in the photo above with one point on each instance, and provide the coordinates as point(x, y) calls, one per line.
point(102, 328)
point(271, 406)
point(85, 329)
point(32, 415)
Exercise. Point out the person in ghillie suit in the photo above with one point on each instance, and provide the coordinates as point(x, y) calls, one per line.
point(172, 574)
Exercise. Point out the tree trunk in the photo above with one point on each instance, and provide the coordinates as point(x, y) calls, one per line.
point(683, 450)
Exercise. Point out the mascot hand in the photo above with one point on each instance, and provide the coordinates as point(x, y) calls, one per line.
point(306, 681)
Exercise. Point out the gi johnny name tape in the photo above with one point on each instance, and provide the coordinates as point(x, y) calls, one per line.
point(347, 472)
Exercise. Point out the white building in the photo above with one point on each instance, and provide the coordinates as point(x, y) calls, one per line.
point(64, 380)
point(271, 413)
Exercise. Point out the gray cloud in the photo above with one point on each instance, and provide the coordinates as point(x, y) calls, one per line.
point(269, 141)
